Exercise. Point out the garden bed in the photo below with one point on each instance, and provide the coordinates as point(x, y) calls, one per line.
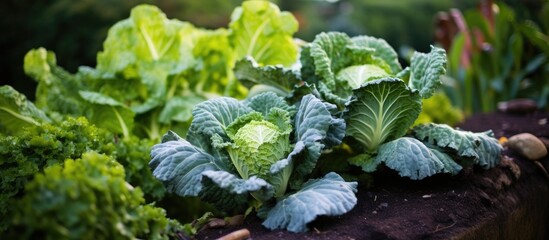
point(506, 202)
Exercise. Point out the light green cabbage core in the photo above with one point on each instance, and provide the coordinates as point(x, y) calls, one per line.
point(355, 76)
point(258, 145)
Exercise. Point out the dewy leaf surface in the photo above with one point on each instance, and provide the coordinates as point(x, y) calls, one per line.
point(258, 29)
point(426, 71)
point(328, 196)
point(483, 148)
point(16, 112)
point(380, 111)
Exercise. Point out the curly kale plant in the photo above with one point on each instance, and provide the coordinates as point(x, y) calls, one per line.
point(261, 146)
point(88, 198)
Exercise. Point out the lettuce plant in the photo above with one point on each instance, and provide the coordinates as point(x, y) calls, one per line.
point(153, 70)
point(261, 149)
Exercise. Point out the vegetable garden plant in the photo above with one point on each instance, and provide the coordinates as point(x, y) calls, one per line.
point(257, 112)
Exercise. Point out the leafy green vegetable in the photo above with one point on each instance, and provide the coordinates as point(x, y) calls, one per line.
point(88, 198)
point(258, 29)
point(411, 158)
point(37, 147)
point(54, 82)
point(439, 109)
point(247, 147)
point(154, 70)
point(337, 64)
point(76, 101)
point(480, 148)
point(379, 101)
point(426, 71)
point(267, 78)
point(323, 192)
point(16, 112)
point(381, 111)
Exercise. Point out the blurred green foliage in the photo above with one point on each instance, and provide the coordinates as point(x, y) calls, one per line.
point(75, 30)
point(496, 55)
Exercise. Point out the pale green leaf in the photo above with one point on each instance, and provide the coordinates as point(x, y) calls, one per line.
point(380, 111)
point(326, 61)
point(179, 109)
point(258, 145)
point(355, 76)
point(260, 30)
point(16, 112)
point(383, 51)
point(106, 112)
point(214, 59)
point(57, 90)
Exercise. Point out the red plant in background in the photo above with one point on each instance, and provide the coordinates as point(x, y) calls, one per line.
point(449, 24)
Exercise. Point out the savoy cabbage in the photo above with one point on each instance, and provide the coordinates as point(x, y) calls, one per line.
point(261, 146)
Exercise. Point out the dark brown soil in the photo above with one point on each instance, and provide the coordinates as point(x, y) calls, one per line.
point(506, 202)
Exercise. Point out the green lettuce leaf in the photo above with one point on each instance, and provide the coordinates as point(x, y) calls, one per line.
point(380, 111)
point(331, 196)
point(426, 71)
point(258, 29)
point(16, 112)
point(53, 82)
point(146, 46)
point(212, 72)
point(179, 108)
point(108, 113)
point(355, 76)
